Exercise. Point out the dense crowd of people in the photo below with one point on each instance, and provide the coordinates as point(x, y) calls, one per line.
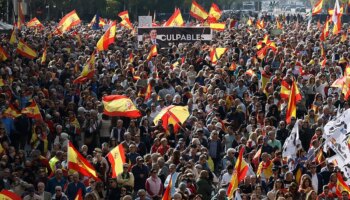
point(229, 110)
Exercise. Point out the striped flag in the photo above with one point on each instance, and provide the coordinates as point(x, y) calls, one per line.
point(218, 26)
point(32, 111)
point(214, 13)
point(240, 171)
point(153, 52)
point(8, 195)
point(117, 158)
point(79, 195)
point(107, 38)
point(198, 12)
point(317, 9)
point(216, 53)
point(292, 102)
point(119, 105)
point(78, 163)
point(124, 15)
point(25, 50)
point(88, 70)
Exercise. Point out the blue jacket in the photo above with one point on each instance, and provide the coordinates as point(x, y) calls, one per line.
point(73, 188)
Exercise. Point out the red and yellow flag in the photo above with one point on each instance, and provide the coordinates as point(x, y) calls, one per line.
point(13, 38)
point(148, 91)
point(107, 38)
point(218, 26)
point(32, 111)
point(250, 72)
point(78, 163)
point(265, 78)
point(12, 112)
point(325, 31)
point(216, 53)
point(43, 57)
point(174, 115)
point(260, 24)
point(214, 13)
point(198, 12)
point(20, 17)
point(127, 24)
point(323, 62)
point(25, 50)
point(176, 19)
point(278, 24)
point(294, 97)
point(319, 159)
point(68, 21)
point(124, 15)
point(240, 171)
point(88, 70)
point(250, 22)
point(285, 90)
point(101, 21)
point(79, 195)
point(265, 168)
point(344, 36)
point(233, 66)
point(337, 25)
point(8, 195)
point(3, 54)
point(317, 9)
point(117, 159)
point(34, 23)
point(152, 52)
point(119, 105)
point(341, 185)
point(167, 192)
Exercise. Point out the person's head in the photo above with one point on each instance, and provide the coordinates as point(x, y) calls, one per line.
point(59, 173)
point(113, 183)
point(141, 194)
point(153, 34)
point(311, 195)
point(154, 173)
point(41, 187)
point(177, 196)
point(58, 190)
point(125, 167)
point(204, 174)
point(76, 177)
point(344, 195)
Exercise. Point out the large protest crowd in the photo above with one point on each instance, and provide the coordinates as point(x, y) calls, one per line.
point(229, 110)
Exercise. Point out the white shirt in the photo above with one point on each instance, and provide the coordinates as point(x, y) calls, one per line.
point(314, 181)
point(226, 178)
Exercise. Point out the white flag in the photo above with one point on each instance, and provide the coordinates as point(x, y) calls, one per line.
point(292, 143)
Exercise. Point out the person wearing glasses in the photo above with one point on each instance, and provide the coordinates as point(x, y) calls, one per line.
point(154, 186)
point(126, 179)
point(59, 195)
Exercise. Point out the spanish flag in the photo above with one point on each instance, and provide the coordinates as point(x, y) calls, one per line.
point(43, 57)
point(278, 24)
point(298, 174)
point(148, 91)
point(119, 105)
point(78, 163)
point(32, 111)
point(88, 70)
point(101, 21)
point(262, 52)
point(233, 66)
point(13, 38)
point(79, 195)
point(174, 115)
point(319, 159)
point(167, 192)
point(344, 36)
point(26, 51)
point(8, 195)
point(341, 185)
point(260, 24)
point(325, 31)
point(127, 24)
point(131, 58)
point(107, 38)
point(249, 22)
point(214, 13)
point(216, 54)
point(20, 17)
point(323, 62)
point(68, 21)
point(240, 171)
point(152, 52)
point(198, 12)
point(124, 15)
point(12, 112)
point(256, 158)
point(3, 54)
point(34, 23)
point(337, 25)
point(217, 26)
point(117, 158)
point(294, 97)
point(176, 19)
point(265, 78)
point(250, 72)
point(285, 90)
point(265, 168)
point(317, 9)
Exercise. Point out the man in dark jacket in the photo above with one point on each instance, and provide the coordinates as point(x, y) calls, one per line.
point(140, 172)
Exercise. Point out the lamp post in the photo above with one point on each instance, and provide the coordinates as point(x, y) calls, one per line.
point(48, 6)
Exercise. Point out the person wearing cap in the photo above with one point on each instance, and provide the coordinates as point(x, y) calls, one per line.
point(126, 179)
point(140, 172)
